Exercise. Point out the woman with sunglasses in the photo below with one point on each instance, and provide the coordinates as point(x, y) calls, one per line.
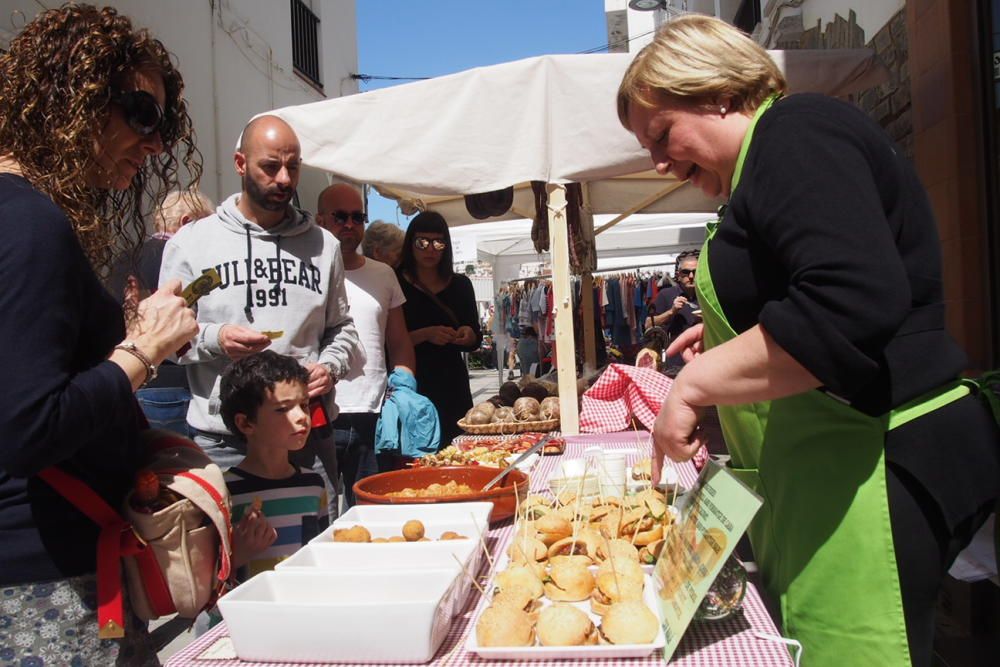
point(442, 319)
point(93, 129)
point(823, 345)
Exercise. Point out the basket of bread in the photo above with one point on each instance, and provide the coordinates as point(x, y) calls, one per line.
point(514, 410)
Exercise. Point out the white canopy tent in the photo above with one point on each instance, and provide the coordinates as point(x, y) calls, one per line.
point(549, 119)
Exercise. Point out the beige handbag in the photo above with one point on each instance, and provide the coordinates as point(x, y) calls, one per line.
point(176, 556)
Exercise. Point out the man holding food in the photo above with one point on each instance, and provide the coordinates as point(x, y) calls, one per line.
point(282, 287)
point(376, 306)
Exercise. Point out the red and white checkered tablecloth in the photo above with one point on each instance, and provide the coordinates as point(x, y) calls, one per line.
point(731, 642)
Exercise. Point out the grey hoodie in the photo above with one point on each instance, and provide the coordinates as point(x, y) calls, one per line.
point(296, 287)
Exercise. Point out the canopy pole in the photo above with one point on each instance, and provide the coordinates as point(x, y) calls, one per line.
point(563, 305)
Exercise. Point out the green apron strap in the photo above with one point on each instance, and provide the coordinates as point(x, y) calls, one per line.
point(927, 403)
point(745, 146)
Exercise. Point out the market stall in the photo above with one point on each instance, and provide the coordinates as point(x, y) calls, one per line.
point(549, 120)
point(747, 637)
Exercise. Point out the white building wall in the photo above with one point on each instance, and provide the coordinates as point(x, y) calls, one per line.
point(235, 66)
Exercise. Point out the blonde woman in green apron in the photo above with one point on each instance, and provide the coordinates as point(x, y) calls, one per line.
point(823, 345)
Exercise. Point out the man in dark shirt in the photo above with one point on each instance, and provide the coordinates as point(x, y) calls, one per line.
point(676, 307)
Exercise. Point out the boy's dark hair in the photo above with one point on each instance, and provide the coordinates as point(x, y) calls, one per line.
point(246, 382)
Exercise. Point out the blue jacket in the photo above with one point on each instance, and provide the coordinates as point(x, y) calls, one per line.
point(409, 422)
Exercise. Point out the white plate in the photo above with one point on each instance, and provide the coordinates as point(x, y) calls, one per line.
point(469, 519)
point(573, 652)
point(325, 616)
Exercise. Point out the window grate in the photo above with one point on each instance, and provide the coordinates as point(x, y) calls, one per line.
point(305, 42)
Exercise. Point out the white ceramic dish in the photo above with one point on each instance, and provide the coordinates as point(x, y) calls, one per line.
point(351, 557)
point(335, 617)
point(599, 651)
point(468, 519)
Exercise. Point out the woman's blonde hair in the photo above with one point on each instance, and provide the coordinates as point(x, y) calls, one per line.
point(698, 59)
point(383, 236)
point(179, 203)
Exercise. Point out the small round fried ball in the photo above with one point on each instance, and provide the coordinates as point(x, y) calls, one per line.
point(413, 530)
point(452, 535)
point(352, 534)
point(397, 538)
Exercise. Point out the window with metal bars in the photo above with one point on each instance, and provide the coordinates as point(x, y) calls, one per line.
point(305, 42)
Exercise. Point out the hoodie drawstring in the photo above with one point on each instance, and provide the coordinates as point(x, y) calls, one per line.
point(248, 309)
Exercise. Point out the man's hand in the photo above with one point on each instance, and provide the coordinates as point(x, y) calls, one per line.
point(675, 432)
point(689, 344)
point(679, 302)
point(238, 342)
point(251, 536)
point(320, 380)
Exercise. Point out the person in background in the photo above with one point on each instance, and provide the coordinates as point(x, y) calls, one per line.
point(823, 344)
point(383, 242)
point(527, 352)
point(93, 126)
point(377, 308)
point(277, 506)
point(442, 319)
point(133, 277)
point(294, 302)
point(676, 307)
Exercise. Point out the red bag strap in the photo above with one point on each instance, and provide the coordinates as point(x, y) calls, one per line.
point(116, 539)
point(226, 530)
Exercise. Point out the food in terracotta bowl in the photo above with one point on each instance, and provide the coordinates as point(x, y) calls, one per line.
point(436, 485)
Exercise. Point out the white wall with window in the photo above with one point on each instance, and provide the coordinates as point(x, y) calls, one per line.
point(237, 60)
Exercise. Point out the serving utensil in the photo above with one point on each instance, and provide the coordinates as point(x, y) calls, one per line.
point(503, 473)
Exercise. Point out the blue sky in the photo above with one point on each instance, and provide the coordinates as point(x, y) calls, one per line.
point(426, 38)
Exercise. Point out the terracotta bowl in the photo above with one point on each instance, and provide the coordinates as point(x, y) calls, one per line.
point(372, 490)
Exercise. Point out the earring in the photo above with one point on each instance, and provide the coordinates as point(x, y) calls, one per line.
point(722, 110)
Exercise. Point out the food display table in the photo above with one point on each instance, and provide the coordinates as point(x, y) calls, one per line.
point(742, 639)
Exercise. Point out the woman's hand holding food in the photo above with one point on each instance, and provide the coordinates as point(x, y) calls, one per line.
point(689, 344)
point(163, 323)
point(675, 432)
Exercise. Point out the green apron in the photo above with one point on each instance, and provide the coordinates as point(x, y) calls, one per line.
point(822, 539)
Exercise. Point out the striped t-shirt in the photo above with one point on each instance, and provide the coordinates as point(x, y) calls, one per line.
point(295, 507)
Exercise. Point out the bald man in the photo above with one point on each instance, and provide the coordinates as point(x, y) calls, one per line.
point(376, 305)
point(282, 289)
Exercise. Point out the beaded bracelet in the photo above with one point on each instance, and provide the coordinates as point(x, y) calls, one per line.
point(133, 349)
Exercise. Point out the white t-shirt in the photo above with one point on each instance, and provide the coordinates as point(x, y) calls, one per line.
point(372, 291)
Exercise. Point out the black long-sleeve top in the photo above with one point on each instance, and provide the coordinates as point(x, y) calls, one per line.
point(61, 401)
point(441, 372)
point(829, 242)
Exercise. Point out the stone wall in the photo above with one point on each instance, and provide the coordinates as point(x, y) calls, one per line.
point(889, 103)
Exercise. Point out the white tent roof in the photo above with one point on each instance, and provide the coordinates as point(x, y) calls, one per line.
point(550, 118)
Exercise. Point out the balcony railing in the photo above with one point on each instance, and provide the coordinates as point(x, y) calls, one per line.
point(305, 42)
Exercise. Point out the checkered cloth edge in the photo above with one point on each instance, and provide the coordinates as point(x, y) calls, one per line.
point(621, 393)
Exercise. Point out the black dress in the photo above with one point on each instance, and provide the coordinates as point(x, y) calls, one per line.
point(441, 372)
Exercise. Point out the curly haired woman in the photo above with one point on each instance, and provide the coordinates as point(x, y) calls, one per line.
point(92, 122)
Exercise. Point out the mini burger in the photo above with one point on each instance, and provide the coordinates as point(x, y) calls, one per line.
point(649, 554)
point(517, 597)
point(522, 576)
point(528, 549)
point(643, 470)
point(583, 545)
point(551, 528)
point(614, 587)
point(568, 582)
point(629, 623)
point(618, 549)
point(565, 625)
point(505, 626)
point(640, 528)
point(628, 568)
point(575, 558)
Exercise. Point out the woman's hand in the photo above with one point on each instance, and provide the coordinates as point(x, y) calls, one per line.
point(675, 432)
point(163, 323)
point(437, 335)
point(689, 344)
point(251, 535)
point(465, 336)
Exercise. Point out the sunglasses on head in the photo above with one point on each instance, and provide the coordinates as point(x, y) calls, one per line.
point(341, 217)
point(424, 243)
point(142, 112)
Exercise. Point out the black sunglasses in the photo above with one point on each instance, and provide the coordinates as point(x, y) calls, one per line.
point(423, 243)
point(341, 217)
point(142, 112)
point(686, 272)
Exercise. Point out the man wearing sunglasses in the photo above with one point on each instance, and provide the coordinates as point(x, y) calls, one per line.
point(282, 288)
point(676, 307)
point(376, 306)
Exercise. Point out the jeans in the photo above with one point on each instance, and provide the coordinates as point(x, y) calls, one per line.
point(318, 455)
point(166, 408)
point(355, 438)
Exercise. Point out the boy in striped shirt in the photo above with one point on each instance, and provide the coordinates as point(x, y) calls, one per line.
point(276, 506)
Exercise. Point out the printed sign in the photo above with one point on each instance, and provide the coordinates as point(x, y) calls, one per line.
point(713, 517)
point(464, 249)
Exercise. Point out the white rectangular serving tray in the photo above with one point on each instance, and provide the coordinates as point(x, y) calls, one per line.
point(353, 557)
point(337, 617)
point(599, 651)
point(468, 519)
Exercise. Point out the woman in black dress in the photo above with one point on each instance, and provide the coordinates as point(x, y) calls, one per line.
point(441, 317)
